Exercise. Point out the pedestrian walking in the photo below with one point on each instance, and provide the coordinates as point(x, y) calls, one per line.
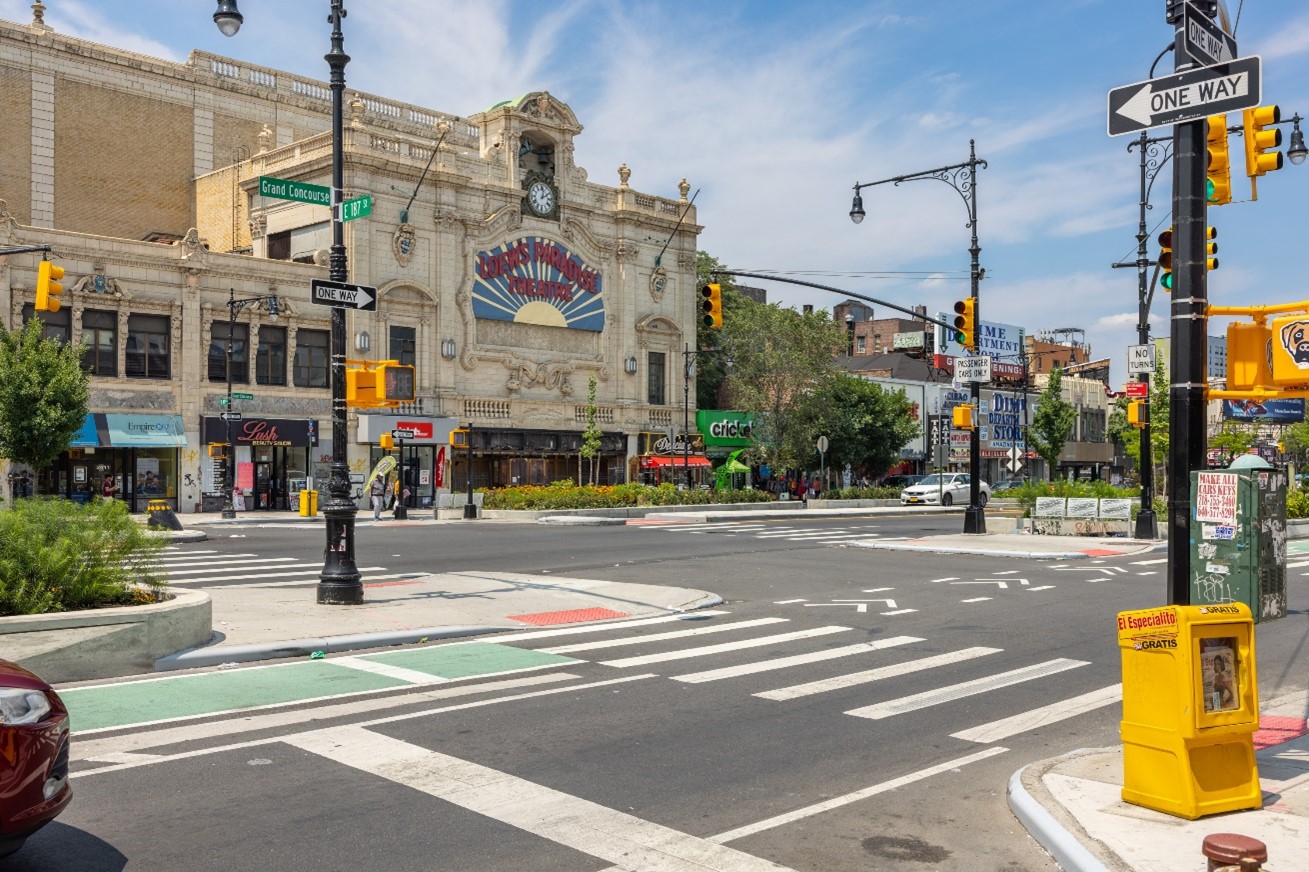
point(377, 492)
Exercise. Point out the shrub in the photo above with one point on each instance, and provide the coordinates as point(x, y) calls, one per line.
point(1297, 503)
point(1026, 494)
point(58, 556)
point(863, 493)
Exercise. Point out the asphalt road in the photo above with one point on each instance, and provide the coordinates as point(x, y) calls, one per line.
point(847, 708)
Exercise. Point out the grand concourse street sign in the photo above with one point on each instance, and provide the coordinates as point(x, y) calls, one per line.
point(1186, 96)
point(301, 192)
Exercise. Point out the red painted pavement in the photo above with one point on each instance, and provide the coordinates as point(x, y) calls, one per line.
point(570, 616)
point(1101, 552)
point(1274, 730)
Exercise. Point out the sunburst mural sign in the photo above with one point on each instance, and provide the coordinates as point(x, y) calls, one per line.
point(536, 281)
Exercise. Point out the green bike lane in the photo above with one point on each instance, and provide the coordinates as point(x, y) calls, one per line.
point(149, 701)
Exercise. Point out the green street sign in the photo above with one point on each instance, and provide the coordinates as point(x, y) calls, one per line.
point(357, 208)
point(301, 192)
point(240, 395)
point(223, 401)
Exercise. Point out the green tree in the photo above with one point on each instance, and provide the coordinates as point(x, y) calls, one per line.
point(711, 369)
point(1052, 423)
point(1233, 439)
point(591, 435)
point(43, 395)
point(1295, 441)
point(866, 424)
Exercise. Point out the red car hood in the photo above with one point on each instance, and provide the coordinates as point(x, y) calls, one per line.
point(13, 675)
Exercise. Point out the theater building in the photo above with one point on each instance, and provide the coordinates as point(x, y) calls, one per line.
point(505, 274)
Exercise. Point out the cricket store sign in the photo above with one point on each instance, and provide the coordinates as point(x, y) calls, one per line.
point(725, 429)
point(536, 281)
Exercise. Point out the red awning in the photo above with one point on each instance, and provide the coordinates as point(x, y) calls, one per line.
point(662, 460)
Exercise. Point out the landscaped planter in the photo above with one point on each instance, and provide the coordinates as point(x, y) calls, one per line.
point(104, 643)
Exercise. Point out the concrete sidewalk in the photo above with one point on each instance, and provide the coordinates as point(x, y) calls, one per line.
point(1072, 805)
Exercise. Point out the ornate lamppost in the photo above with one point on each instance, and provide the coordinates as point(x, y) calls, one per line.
point(963, 178)
point(339, 583)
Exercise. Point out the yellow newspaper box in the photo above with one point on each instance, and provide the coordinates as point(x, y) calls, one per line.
point(1190, 709)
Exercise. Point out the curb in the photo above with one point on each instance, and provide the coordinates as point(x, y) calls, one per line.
point(1068, 852)
point(214, 656)
point(579, 521)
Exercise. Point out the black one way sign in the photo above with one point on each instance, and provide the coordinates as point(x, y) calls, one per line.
point(1186, 96)
point(343, 295)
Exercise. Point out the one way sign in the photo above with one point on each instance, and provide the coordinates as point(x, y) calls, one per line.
point(343, 295)
point(1186, 96)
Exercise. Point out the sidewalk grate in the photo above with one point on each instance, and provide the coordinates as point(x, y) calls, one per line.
point(570, 616)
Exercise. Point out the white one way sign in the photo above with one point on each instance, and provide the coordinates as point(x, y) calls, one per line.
point(1187, 96)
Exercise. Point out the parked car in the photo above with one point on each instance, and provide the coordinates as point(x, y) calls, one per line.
point(944, 488)
point(1009, 485)
point(34, 786)
point(900, 481)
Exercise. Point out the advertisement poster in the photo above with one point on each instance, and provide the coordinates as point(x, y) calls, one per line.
point(1215, 498)
point(1218, 673)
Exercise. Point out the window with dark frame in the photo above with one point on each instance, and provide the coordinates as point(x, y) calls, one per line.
point(54, 325)
point(402, 344)
point(218, 338)
point(100, 342)
point(655, 395)
point(148, 343)
point(270, 359)
point(311, 358)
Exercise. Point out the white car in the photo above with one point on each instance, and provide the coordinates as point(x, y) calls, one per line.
point(944, 489)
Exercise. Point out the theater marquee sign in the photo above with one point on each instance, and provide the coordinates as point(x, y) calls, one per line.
point(535, 281)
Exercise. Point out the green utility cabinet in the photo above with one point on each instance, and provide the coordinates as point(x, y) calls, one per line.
point(1238, 537)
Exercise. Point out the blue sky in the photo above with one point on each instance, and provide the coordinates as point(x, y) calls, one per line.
point(775, 109)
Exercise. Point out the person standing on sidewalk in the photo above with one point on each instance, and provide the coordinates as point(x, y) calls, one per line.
point(377, 493)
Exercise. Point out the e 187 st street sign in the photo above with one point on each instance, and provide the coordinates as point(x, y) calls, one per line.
point(1186, 96)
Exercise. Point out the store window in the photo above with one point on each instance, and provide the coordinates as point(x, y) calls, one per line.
point(270, 360)
point(156, 476)
point(100, 342)
point(655, 395)
point(147, 346)
point(311, 358)
point(403, 341)
point(238, 334)
point(57, 325)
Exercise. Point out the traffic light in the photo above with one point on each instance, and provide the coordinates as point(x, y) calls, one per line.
point(218, 450)
point(459, 438)
point(1210, 248)
point(1136, 413)
point(711, 297)
point(1166, 259)
point(1218, 184)
point(397, 383)
point(386, 441)
point(360, 386)
point(1247, 356)
point(965, 323)
point(963, 417)
point(48, 288)
point(1258, 141)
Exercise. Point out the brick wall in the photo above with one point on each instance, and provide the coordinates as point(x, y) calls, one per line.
point(16, 142)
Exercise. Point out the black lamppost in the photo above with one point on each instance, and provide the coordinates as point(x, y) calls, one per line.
point(234, 305)
point(688, 370)
point(340, 583)
point(963, 178)
point(1155, 153)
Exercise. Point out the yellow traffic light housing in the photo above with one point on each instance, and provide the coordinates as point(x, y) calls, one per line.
point(1218, 186)
point(1166, 259)
point(965, 323)
point(459, 438)
point(386, 441)
point(218, 450)
point(378, 384)
point(1136, 413)
point(1210, 248)
point(963, 417)
point(361, 386)
point(1247, 356)
point(1289, 350)
point(397, 383)
point(711, 302)
point(48, 288)
point(1261, 155)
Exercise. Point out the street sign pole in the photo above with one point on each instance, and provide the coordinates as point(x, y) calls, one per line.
point(1189, 322)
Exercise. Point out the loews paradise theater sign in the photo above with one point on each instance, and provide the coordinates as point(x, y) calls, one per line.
point(535, 281)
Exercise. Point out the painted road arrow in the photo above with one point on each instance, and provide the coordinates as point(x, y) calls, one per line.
point(1186, 96)
point(1107, 570)
point(343, 295)
point(860, 605)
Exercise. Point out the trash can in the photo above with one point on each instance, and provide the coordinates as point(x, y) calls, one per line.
point(308, 503)
point(1238, 537)
point(161, 515)
point(1190, 709)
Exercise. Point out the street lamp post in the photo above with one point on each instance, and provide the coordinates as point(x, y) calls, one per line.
point(339, 583)
point(234, 305)
point(963, 178)
point(688, 370)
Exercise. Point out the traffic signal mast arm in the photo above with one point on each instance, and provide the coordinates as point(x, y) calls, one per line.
point(1252, 371)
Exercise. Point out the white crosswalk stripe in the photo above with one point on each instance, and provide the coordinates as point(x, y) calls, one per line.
point(659, 637)
point(793, 660)
point(725, 646)
point(839, 682)
point(966, 688)
point(769, 531)
point(212, 567)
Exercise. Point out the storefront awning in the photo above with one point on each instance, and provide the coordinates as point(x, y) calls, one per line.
point(697, 461)
point(145, 431)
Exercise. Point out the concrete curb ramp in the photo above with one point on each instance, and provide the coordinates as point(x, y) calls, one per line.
point(107, 643)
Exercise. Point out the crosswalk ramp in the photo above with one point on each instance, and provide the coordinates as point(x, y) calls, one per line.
point(200, 567)
point(764, 531)
point(721, 648)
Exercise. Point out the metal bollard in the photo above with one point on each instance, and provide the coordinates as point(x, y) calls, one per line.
point(1232, 852)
